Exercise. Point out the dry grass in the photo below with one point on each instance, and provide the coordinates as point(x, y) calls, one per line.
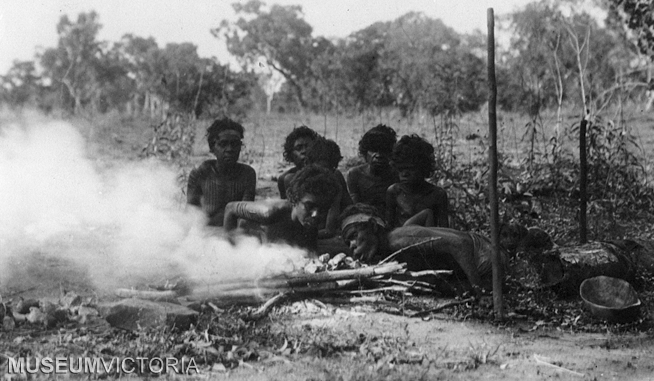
point(115, 136)
point(462, 142)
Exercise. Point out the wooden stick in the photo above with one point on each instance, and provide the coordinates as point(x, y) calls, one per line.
point(354, 299)
point(436, 273)
point(243, 284)
point(395, 254)
point(262, 293)
point(543, 361)
point(498, 273)
point(146, 294)
point(442, 306)
point(360, 273)
point(292, 280)
point(267, 306)
point(372, 290)
point(408, 284)
point(261, 289)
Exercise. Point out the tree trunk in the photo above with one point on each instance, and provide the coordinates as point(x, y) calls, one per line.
point(558, 84)
point(650, 99)
point(146, 103)
point(197, 96)
point(269, 99)
point(564, 268)
point(75, 94)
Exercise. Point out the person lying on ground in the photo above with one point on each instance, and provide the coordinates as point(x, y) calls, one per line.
point(295, 150)
point(367, 183)
point(326, 153)
point(293, 221)
point(413, 200)
point(222, 180)
point(467, 253)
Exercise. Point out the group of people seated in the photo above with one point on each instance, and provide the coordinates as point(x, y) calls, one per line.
point(380, 206)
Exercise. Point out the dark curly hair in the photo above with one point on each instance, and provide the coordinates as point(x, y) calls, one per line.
point(220, 125)
point(324, 150)
point(412, 150)
point(380, 138)
point(297, 133)
point(315, 180)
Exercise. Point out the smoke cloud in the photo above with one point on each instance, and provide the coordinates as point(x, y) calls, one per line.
point(111, 227)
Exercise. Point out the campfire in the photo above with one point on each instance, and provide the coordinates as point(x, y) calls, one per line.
point(324, 276)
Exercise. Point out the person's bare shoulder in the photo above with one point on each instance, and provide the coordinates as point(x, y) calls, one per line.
point(205, 167)
point(246, 169)
point(355, 173)
point(404, 236)
point(358, 169)
point(394, 189)
point(288, 172)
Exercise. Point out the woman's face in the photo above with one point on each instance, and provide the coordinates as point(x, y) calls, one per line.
point(227, 147)
point(310, 211)
point(377, 160)
point(362, 239)
point(409, 175)
point(300, 150)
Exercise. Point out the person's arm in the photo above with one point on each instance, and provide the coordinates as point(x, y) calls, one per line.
point(391, 206)
point(352, 188)
point(250, 184)
point(331, 223)
point(193, 189)
point(261, 212)
point(345, 199)
point(440, 209)
point(281, 186)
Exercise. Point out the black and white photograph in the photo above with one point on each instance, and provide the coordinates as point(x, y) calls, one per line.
point(327, 190)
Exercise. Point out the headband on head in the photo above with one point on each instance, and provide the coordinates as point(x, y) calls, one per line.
point(361, 217)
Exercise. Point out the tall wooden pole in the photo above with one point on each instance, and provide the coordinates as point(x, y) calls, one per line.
point(498, 270)
point(583, 176)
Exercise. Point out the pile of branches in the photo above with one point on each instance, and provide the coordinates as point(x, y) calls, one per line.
point(323, 277)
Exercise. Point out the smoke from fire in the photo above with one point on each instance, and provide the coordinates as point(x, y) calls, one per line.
point(114, 224)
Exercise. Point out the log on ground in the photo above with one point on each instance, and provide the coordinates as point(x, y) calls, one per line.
point(564, 268)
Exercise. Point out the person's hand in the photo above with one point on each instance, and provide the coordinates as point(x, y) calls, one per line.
point(365, 252)
point(325, 234)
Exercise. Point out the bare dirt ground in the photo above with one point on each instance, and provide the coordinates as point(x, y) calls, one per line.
point(441, 348)
point(315, 340)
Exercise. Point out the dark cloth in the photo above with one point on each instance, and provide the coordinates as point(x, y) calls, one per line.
point(211, 190)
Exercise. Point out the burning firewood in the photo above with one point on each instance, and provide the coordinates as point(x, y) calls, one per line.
point(261, 289)
point(146, 294)
point(326, 276)
point(297, 282)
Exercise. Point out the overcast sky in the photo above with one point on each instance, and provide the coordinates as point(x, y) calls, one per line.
point(26, 25)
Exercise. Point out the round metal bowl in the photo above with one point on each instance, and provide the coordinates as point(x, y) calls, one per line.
point(610, 299)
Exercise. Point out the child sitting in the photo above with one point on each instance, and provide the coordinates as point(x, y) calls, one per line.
point(368, 182)
point(327, 154)
point(217, 182)
point(412, 200)
point(295, 149)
